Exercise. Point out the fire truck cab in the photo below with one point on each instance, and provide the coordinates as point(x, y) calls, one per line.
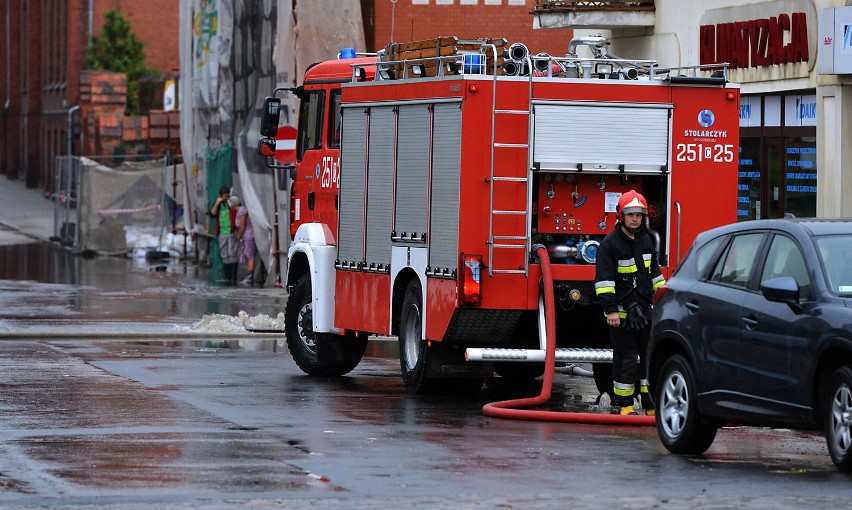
point(425, 175)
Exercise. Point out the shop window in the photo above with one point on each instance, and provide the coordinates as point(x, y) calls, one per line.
point(748, 182)
point(777, 156)
point(801, 176)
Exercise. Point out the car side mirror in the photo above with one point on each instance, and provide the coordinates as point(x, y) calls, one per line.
point(271, 116)
point(783, 289)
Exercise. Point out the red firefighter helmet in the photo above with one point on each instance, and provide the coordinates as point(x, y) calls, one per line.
point(631, 202)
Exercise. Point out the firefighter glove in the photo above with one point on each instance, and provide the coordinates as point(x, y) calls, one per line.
point(637, 319)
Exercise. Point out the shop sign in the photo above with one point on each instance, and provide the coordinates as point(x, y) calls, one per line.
point(750, 114)
point(761, 41)
point(769, 41)
point(835, 39)
point(800, 110)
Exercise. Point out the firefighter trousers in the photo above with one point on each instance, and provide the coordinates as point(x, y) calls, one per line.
point(627, 346)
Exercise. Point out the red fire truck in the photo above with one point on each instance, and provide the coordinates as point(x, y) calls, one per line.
point(425, 175)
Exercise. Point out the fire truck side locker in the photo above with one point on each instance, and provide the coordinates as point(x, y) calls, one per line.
point(400, 164)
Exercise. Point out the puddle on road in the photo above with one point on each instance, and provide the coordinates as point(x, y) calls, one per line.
point(196, 460)
point(43, 286)
point(93, 433)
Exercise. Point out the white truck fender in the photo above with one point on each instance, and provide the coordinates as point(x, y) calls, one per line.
point(316, 241)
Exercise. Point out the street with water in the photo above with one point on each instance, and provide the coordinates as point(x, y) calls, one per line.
point(135, 383)
point(129, 383)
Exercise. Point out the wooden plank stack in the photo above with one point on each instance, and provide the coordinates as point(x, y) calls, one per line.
point(428, 53)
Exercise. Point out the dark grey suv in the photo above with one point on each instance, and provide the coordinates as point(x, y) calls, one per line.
point(755, 327)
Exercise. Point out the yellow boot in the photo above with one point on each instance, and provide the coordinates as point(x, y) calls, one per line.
point(647, 403)
point(627, 410)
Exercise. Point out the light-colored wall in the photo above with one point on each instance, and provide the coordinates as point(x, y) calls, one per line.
point(675, 41)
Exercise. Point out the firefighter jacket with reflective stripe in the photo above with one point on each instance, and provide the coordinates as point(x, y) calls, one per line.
point(627, 271)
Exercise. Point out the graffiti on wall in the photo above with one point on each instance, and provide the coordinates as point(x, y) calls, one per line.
point(205, 31)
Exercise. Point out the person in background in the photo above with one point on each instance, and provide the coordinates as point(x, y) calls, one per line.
point(245, 235)
point(627, 274)
point(227, 233)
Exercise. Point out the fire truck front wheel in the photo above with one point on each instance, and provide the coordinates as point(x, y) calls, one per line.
point(323, 354)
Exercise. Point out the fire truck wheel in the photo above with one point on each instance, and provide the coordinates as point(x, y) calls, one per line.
point(412, 349)
point(416, 358)
point(322, 354)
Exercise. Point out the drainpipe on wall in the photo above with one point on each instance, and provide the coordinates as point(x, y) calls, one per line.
point(8, 103)
point(8, 58)
point(69, 136)
point(91, 18)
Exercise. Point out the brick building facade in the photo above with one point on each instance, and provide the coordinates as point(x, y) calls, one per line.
point(412, 20)
point(41, 77)
point(41, 73)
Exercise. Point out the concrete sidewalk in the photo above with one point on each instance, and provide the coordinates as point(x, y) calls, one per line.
point(26, 210)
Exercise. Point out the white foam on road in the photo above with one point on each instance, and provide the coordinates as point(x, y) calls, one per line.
point(241, 323)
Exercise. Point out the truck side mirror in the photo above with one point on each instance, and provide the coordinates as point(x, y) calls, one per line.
point(271, 115)
point(266, 147)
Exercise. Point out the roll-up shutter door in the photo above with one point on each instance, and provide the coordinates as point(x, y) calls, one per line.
point(380, 187)
point(412, 172)
point(350, 236)
point(446, 168)
point(601, 138)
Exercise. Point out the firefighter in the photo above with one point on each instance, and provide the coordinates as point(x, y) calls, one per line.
point(627, 273)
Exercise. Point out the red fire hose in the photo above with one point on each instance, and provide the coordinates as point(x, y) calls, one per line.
point(516, 409)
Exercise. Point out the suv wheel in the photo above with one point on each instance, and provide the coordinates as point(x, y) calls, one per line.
point(679, 423)
point(838, 418)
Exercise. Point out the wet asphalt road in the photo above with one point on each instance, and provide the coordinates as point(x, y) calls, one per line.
point(229, 420)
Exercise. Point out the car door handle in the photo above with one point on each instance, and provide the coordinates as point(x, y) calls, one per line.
point(692, 306)
point(750, 322)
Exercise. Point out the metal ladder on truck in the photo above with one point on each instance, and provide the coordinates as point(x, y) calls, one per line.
point(506, 111)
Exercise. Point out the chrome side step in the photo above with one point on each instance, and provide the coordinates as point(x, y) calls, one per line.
point(562, 355)
point(569, 355)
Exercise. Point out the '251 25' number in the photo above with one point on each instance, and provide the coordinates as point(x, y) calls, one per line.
point(717, 153)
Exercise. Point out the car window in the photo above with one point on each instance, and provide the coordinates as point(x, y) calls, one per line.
point(834, 251)
point(705, 255)
point(736, 264)
point(785, 259)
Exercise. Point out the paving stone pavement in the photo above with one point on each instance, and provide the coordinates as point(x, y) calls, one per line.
point(25, 211)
